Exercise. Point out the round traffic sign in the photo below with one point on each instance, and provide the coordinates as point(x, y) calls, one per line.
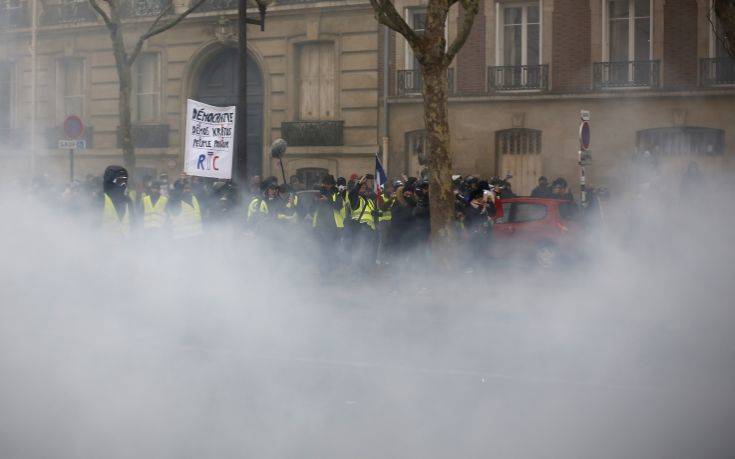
point(73, 127)
point(584, 135)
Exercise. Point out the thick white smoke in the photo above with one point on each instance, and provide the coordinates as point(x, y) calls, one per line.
point(229, 348)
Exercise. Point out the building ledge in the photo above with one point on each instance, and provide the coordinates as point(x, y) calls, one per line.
point(341, 151)
point(637, 93)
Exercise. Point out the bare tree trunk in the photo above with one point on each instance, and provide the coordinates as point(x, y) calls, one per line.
point(123, 67)
point(126, 125)
point(441, 196)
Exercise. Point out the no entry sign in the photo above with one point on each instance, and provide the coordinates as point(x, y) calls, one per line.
point(584, 135)
point(73, 127)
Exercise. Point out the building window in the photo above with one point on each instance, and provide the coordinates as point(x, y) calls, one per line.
point(519, 34)
point(628, 30)
point(6, 97)
point(147, 88)
point(70, 86)
point(719, 67)
point(316, 82)
point(518, 53)
point(681, 141)
point(416, 19)
point(627, 52)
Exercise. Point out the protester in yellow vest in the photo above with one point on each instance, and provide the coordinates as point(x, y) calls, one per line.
point(363, 237)
point(117, 207)
point(154, 209)
point(265, 206)
point(184, 212)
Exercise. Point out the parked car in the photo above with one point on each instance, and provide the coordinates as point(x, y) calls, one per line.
point(539, 230)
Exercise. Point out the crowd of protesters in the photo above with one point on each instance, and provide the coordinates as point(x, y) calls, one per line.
point(351, 217)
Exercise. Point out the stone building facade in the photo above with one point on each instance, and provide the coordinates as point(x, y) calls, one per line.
point(312, 78)
point(339, 87)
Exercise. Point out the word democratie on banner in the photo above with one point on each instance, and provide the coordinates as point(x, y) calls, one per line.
point(210, 134)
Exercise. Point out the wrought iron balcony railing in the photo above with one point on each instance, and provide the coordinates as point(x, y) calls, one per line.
point(67, 12)
point(13, 14)
point(626, 74)
point(716, 72)
point(142, 8)
point(217, 5)
point(313, 133)
point(518, 78)
point(410, 82)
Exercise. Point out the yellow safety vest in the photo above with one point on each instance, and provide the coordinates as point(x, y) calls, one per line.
point(339, 215)
point(385, 215)
point(254, 208)
point(111, 222)
point(365, 216)
point(154, 217)
point(188, 223)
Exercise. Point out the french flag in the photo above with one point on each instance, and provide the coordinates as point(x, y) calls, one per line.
point(380, 177)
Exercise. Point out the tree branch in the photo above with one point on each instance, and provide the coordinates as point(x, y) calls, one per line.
point(471, 7)
point(139, 45)
point(387, 15)
point(155, 29)
point(96, 6)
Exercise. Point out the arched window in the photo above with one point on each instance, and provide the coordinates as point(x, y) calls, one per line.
point(681, 141)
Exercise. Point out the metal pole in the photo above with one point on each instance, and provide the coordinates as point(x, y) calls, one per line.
point(239, 163)
point(34, 31)
point(582, 181)
point(386, 88)
point(71, 165)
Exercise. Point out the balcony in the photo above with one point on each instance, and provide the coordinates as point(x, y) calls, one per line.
point(147, 136)
point(410, 82)
point(13, 14)
point(626, 74)
point(313, 133)
point(68, 12)
point(143, 8)
point(518, 78)
point(716, 72)
point(217, 5)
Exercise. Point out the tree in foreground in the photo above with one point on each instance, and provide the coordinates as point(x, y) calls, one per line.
point(112, 13)
point(434, 56)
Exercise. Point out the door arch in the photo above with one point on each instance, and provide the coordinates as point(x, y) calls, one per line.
point(217, 85)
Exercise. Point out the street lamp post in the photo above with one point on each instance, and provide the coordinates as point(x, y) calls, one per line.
point(241, 130)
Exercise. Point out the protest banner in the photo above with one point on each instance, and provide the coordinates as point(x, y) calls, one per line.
point(210, 134)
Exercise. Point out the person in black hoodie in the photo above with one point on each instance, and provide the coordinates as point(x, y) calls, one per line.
point(117, 208)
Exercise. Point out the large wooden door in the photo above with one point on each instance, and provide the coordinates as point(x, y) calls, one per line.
point(217, 85)
point(316, 81)
point(518, 152)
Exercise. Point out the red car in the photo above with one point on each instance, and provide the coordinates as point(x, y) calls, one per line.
point(537, 229)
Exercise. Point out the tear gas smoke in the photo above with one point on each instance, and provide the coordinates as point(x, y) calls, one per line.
point(229, 348)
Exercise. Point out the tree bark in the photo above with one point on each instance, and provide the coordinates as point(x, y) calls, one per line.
point(124, 74)
point(441, 195)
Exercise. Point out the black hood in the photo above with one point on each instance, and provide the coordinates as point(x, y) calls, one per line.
point(111, 173)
